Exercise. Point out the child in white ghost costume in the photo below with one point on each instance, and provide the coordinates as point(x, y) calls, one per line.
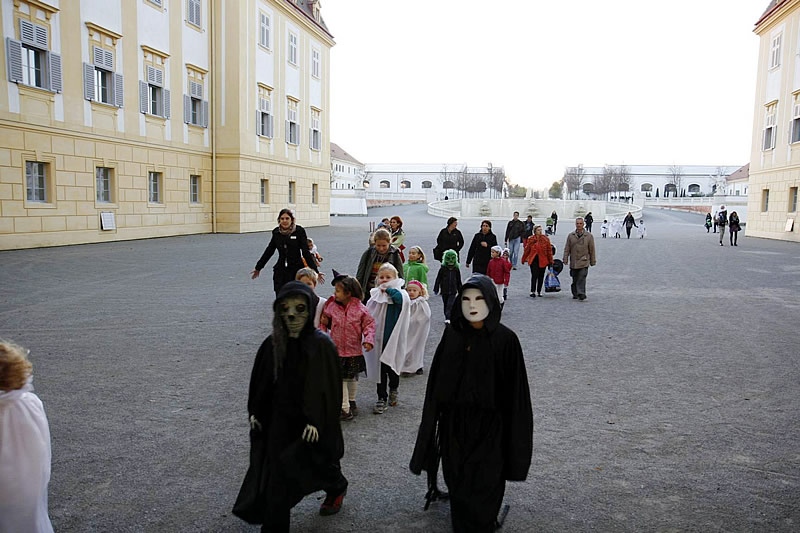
point(642, 230)
point(24, 447)
point(604, 229)
point(419, 326)
point(616, 228)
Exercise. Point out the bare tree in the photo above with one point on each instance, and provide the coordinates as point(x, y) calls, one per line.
point(497, 181)
point(675, 177)
point(573, 178)
point(624, 180)
point(604, 183)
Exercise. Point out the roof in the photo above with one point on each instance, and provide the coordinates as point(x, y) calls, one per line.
point(338, 153)
point(307, 8)
point(741, 174)
point(664, 170)
point(773, 5)
point(412, 168)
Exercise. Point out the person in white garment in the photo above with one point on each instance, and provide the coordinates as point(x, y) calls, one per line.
point(419, 326)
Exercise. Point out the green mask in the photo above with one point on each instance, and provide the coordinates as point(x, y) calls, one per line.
point(450, 259)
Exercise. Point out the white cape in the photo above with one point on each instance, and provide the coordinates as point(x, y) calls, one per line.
point(395, 352)
point(24, 462)
point(418, 328)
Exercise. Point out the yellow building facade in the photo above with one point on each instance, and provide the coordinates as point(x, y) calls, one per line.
point(127, 119)
point(775, 156)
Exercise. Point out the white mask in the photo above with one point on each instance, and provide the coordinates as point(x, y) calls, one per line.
point(473, 305)
point(293, 310)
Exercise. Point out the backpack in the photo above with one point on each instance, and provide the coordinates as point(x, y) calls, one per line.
point(722, 219)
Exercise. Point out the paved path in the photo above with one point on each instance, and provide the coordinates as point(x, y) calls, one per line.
point(667, 401)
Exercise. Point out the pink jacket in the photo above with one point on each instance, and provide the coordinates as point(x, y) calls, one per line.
point(348, 325)
point(499, 270)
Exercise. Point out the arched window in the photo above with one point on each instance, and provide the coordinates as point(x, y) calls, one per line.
point(670, 188)
point(405, 184)
point(385, 184)
point(588, 188)
point(449, 185)
point(694, 188)
point(647, 187)
point(427, 184)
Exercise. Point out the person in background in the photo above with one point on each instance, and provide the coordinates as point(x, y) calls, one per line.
point(450, 238)
point(539, 255)
point(529, 226)
point(629, 222)
point(734, 227)
point(604, 229)
point(554, 216)
point(480, 249)
point(714, 218)
point(448, 281)
point(416, 268)
point(373, 257)
point(384, 223)
point(499, 270)
point(722, 221)
point(398, 236)
point(709, 222)
point(514, 230)
point(308, 277)
point(579, 254)
point(589, 219)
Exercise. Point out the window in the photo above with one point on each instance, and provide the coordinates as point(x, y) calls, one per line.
point(315, 136)
point(292, 127)
point(765, 200)
point(792, 199)
point(292, 198)
point(769, 127)
point(293, 48)
point(449, 185)
point(264, 30)
point(264, 191)
point(154, 187)
point(796, 119)
point(775, 51)
point(315, 66)
point(405, 184)
point(36, 181)
point(103, 184)
point(156, 2)
point(100, 82)
point(30, 62)
point(264, 125)
point(427, 185)
point(647, 187)
point(153, 97)
point(694, 188)
point(194, 189)
point(314, 194)
point(385, 184)
point(195, 109)
point(194, 13)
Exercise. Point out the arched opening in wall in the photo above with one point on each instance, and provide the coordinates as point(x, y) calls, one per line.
point(448, 185)
point(588, 188)
point(385, 184)
point(694, 189)
point(405, 184)
point(647, 189)
point(427, 185)
point(365, 183)
point(670, 188)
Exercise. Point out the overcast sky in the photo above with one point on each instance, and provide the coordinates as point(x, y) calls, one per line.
point(539, 85)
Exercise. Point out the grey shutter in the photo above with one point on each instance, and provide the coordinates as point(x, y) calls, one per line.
point(27, 34)
point(143, 97)
point(98, 56)
point(109, 60)
point(187, 109)
point(54, 62)
point(310, 138)
point(14, 56)
point(259, 131)
point(205, 113)
point(270, 128)
point(118, 89)
point(166, 103)
point(40, 33)
point(288, 132)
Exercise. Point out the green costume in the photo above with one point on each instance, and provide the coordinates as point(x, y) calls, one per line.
point(416, 270)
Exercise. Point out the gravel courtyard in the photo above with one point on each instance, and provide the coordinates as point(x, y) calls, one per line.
point(669, 400)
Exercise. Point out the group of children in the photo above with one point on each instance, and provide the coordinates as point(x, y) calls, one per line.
point(615, 228)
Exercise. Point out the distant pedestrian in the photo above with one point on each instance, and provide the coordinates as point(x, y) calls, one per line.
point(714, 218)
point(579, 254)
point(398, 236)
point(480, 250)
point(709, 222)
point(448, 282)
point(589, 219)
point(642, 229)
point(629, 222)
point(450, 238)
point(499, 269)
point(384, 223)
point(529, 226)
point(514, 230)
point(722, 221)
point(290, 241)
point(416, 268)
point(539, 255)
point(554, 216)
point(375, 256)
point(604, 229)
point(734, 227)
point(616, 228)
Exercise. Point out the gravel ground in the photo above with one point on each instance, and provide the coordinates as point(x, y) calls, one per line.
point(667, 401)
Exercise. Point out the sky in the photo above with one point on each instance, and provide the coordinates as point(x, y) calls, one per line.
point(538, 85)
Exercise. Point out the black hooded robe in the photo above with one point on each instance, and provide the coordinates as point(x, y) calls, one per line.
point(477, 415)
point(307, 390)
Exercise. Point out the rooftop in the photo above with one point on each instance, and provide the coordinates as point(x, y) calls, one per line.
point(337, 152)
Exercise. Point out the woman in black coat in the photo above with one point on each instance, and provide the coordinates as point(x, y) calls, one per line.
point(629, 223)
point(291, 242)
point(481, 248)
point(449, 238)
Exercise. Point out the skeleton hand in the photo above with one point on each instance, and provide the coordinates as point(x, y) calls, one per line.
point(254, 423)
point(310, 434)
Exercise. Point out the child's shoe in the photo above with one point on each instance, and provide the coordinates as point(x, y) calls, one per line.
point(332, 504)
point(353, 408)
point(393, 398)
point(380, 407)
point(346, 415)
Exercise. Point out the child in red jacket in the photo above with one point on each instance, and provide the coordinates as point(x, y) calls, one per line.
point(499, 270)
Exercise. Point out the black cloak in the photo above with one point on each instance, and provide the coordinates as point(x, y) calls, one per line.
point(478, 256)
point(294, 382)
point(477, 414)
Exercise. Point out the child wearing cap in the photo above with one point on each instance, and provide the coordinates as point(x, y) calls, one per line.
point(499, 270)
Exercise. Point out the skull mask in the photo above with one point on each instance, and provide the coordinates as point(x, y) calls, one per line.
point(293, 310)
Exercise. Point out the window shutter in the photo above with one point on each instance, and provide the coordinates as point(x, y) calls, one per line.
point(54, 61)
point(97, 56)
point(143, 97)
point(259, 131)
point(187, 109)
point(270, 127)
point(118, 89)
point(310, 138)
point(165, 105)
point(14, 56)
point(40, 36)
point(288, 132)
point(26, 32)
point(155, 76)
point(196, 89)
point(205, 113)
point(88, 81)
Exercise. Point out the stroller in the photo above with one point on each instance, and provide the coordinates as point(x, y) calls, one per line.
point(551, 282)
point(548, 230)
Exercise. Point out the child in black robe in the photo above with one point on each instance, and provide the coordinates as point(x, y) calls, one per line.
point(294, 403)
point(477, 415)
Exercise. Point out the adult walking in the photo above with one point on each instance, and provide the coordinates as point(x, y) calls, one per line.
point(450, 238)
point(709, 221)
point(514, 230)
point(539, 255)
point(722, 221)
point(629, 222)
point(291, 243)
point(554, 216)
point(589, 219)
point(529, 227)
point(734, 227)
point(480, 250)
point(579, 254)
point(398, 236)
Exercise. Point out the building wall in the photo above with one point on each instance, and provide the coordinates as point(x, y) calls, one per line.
point(775, 169)
point(74, 136)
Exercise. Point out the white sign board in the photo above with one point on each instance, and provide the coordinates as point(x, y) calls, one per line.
point(789, 224)
point(107, 221)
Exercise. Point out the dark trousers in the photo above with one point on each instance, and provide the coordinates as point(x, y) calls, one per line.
point(470, 515)
point(589, 226)
point(387, 374)
point(555, 225)
point(579, 280)
point(734, 237)
point(537, 275)
point(281, 276)
point(448, 300)
point(628, 229)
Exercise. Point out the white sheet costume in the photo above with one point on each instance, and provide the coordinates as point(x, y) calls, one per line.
point(604, 229)
point(395, 352)
point(24, 462)
point(642, 230)
point(616, 228)
point(418, 328)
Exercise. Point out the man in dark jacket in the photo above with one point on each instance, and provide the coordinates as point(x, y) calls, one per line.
point(514, 230)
